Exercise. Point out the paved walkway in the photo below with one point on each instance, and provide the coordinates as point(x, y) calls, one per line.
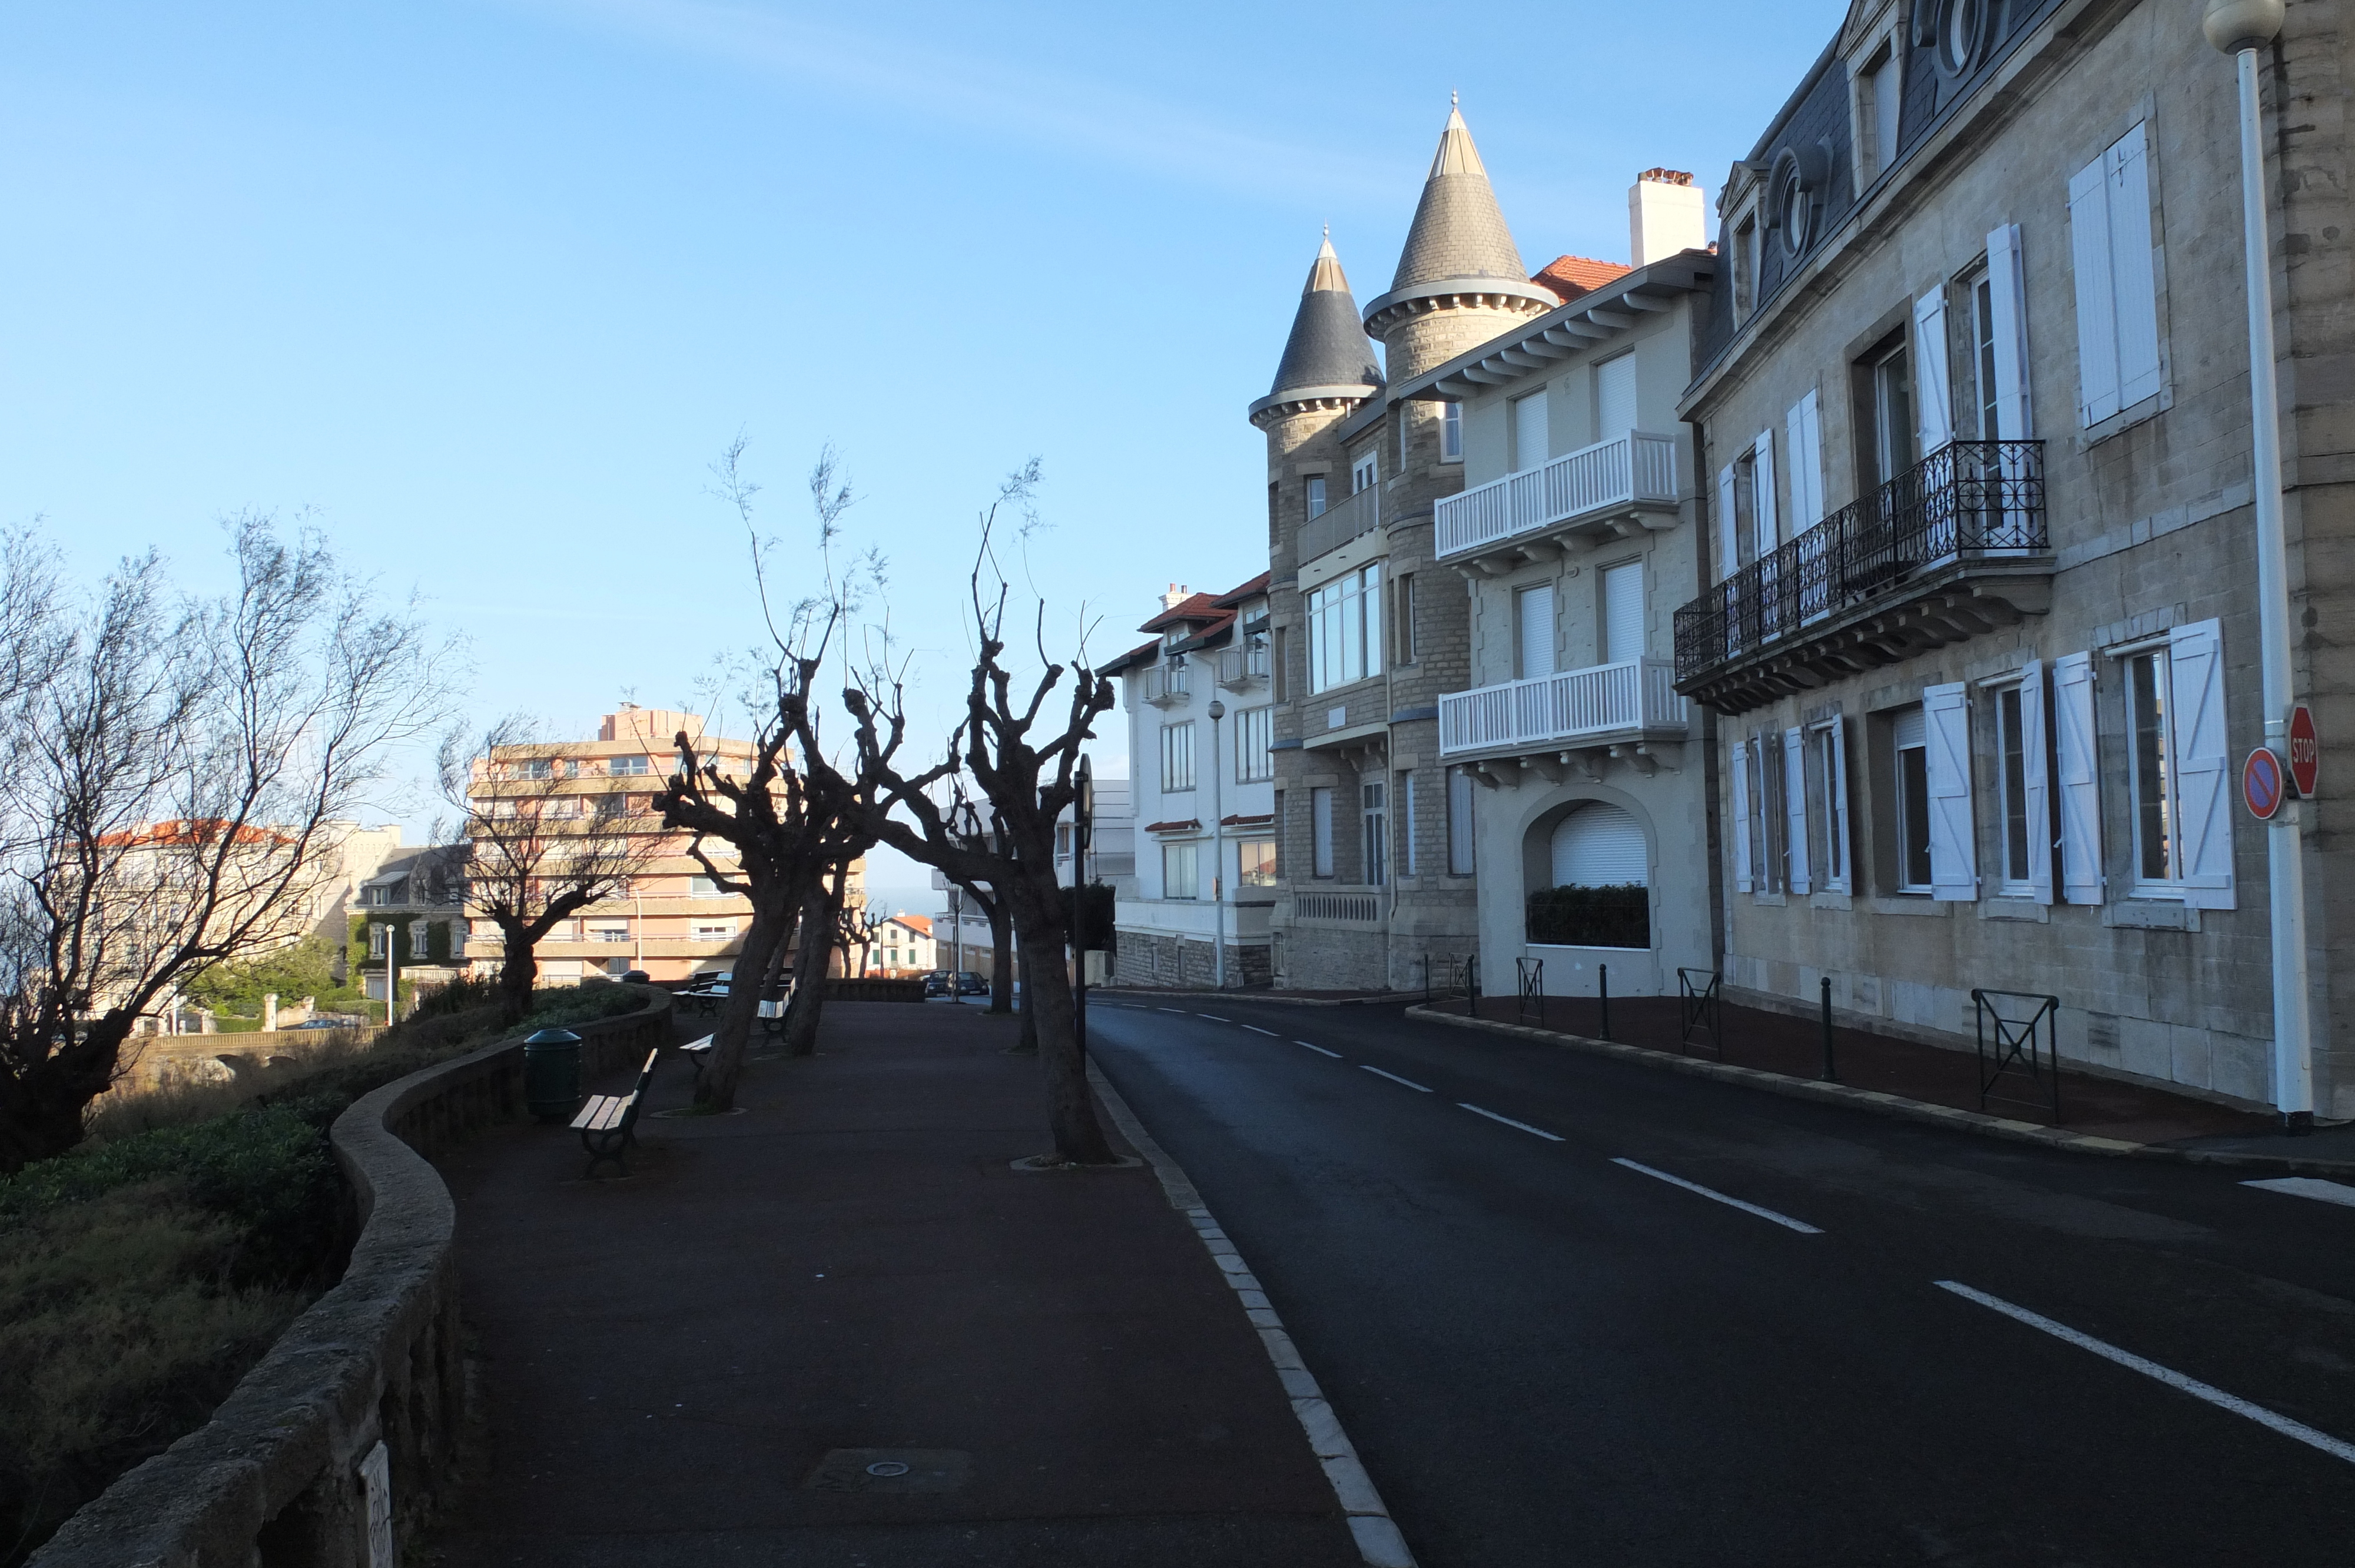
point(687, 1365)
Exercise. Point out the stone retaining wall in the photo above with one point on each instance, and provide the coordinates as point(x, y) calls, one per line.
point(276, 1478)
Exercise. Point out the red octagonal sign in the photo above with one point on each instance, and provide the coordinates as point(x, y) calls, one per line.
point(2305, 750)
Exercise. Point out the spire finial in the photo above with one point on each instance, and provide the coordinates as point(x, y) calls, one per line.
point(1452, 102)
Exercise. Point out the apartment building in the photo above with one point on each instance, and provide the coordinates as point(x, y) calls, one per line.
point(1201, 766)
point(1980, 633)
point(674, 919)
point(1573, 776)
point(414, 907)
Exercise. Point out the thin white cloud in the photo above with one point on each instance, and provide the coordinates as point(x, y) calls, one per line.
point(1076, 119)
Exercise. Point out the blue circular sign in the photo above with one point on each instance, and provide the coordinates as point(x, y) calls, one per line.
point(2261, 783)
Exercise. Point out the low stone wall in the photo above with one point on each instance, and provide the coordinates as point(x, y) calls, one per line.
point(870, 989)
point(347, 1426)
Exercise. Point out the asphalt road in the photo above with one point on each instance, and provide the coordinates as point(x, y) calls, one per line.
point(1547, 1354)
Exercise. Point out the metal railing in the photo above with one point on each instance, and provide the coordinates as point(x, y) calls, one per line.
point(1359, 908)
point(1168, 681)
point(1968, 500)
point(1529, 982)
point(1340, 523)
point(1698, 1011)
point(1623, 470)
point(1241, 667)
point(2015, 1035)
point(1635, 693)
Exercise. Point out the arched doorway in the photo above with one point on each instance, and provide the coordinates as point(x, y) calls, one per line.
point(1600, 895)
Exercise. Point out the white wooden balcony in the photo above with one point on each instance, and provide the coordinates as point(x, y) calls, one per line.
point(1630, 477)
point(1573, 710)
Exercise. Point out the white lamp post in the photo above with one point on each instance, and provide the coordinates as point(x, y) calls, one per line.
point(2241, 27)
point(1218, 858)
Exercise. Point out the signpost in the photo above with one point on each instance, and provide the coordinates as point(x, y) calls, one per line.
point(2304, 751)
point(2261, 783)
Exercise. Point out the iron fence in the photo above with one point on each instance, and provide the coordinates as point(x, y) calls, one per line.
point(2015, 1031)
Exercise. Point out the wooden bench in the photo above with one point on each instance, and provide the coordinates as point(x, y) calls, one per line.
point(699, 1054)
point(608, 1123)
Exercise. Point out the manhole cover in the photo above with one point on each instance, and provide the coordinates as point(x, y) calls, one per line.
point(890, 1470)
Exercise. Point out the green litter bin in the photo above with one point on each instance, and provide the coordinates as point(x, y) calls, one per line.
point(551, 1075)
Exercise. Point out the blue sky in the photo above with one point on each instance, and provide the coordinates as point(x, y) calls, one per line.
point(486, 286)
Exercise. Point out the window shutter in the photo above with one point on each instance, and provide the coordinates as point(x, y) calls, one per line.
point(2008, 311)
point(2036, 793)
point(1764, 450)
point(1794, 804)
point(1934, 389)
point(1729, 543)
point(1805, 428)
point(1742, 816)
point(2077, 785)
point(1320, 825)
point(2135, 284)
point(2203, 762)
point(1534, 609)
point(2097, 335)
point(1954, 845)
point(1836, 790)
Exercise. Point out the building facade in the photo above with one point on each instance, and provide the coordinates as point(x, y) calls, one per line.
point(1981, 633)
point(1571, 768)
point(414, 910)
point(904, 946)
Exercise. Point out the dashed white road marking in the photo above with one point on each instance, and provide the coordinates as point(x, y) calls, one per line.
point(1178, 1010)
point(1393, 1077)
point(1255, 1029)
point(2167, 1376)
point(1319, 1049)
point(2313, 1187)
point(1508, 1121)
point(1214, 1018)
point(1800, 1225)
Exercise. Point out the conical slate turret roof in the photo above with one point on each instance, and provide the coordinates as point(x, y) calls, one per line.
point(1459, 231)
point(1328, 346)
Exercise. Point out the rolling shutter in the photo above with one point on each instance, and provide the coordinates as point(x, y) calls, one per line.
point(1740, 772)
point(1622, 611)
point(2036, 794)
point(1954, 845)
point(1729, 539)
point(1794, 805)
point(1934, 394)
point(2008, 322)
point(1529, 430)
point(2203, 762)
point(2077, 786)
point(1533, 607)
point(1614, 397)
point(1320, 826)
point(1599, 845)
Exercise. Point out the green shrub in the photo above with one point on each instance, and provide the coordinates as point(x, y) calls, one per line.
point(1615, 916)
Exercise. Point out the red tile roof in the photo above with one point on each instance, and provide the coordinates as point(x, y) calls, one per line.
point(1570, 276)
point(1186, 825)
point(1209, 608)
point(920, 924)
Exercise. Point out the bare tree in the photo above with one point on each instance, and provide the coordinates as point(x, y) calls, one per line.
point(180, 776)
point(547, 837)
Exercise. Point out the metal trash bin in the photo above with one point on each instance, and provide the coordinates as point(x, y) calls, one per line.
point(551, 1075)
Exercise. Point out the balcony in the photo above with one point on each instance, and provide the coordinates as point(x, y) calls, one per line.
point(1358, 908)
point(1339, 524)
point(1240, 669)
point(1601, 705)
point(1598, 491)
point(1951, 548)
point(1169, 682)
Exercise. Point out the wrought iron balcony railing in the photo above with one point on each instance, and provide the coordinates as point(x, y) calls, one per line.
point(1966, 500)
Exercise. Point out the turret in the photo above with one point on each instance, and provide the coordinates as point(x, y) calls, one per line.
point(1327, 365)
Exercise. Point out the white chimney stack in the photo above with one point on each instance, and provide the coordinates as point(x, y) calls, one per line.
point(1664, 215)
point(1177, 596)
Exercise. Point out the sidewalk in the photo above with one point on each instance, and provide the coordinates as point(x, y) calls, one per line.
point(687, 1365)
point(1777, 1042)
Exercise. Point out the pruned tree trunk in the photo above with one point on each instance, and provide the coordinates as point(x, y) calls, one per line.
point(518, 968)
point(41, 1117)
point(731, 1037)
point(821, 908)
point(1071, 1104)
point(1001, 958)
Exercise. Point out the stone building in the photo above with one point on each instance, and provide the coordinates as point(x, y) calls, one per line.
point(1366, 635)
point(1982, 634)
point(1571, 753)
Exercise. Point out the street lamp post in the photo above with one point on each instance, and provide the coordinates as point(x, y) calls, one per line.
point(1083, 812)
point(2239, 29)
point(1218, 858)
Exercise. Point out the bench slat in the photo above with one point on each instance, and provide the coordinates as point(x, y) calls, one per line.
point(587, 1120)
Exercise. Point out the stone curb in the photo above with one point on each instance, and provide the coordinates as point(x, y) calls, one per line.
point(1900, 1107)
point(1371, 1526)
point(1370, 999)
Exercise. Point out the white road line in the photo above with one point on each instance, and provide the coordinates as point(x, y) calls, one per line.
point(1255, 1029)
point(1508, 1121)
point(1214, 1018)
point(1178, 1010)
point(1800, 1225)
point(2308, 1187)
point(1393, 1077)
point(2173, 1378)
point(1319, 1049)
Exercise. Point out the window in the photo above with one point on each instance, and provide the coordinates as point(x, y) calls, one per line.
point(1280, 678)
point(1622, 611)
point(1406, 823)
point(1533, 627)
point(1890, 392)
point(2020, 788)
point(630, 765)
point(609, 931)
point(2117, 291)
point(1363, 470)
point(704, 888)
point(379, 940)
point(1803, 428)
point(1256, 862)
point(1883, 94)
point(1176, 757)
point(1451, 432)
point(1320, 828)
point(1373, 798)
point(2178, 770)
point(532, 768)
point(1254, 730)
point(1962, 33)
point(1460, 858)
point(1912, 799)
point(1827, 783)
point(1530, 436)
point(1975, 405)
point(1182, 871)
point(1402, 616)
point(1745, 268)
point(1344, 631)
point(1316, 495)
point(1769, 807)
point(715, 930)
point(1615, 397)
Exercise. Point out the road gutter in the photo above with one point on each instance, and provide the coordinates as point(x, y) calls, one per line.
point(1377, 1538)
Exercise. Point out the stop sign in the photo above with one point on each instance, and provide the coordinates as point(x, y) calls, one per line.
point(2305, 750)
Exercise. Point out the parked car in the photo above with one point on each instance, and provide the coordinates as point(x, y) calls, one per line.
point(969, 983)
point(936, 983)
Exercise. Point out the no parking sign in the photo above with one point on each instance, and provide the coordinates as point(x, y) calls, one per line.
point(2261, 783)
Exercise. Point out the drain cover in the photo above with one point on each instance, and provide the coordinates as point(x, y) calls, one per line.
point(890, 1470)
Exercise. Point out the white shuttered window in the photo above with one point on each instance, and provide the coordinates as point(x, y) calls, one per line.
point(1740, 772)
point(2077, 782)
point(1933, 400)
point(2117, 290)
point(1805, 428)
point(2203, 764)
point(1953, 843)
point(1795, 806)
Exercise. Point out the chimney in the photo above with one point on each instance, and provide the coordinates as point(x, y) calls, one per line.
point(1177, 596)
point(1664, 215)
